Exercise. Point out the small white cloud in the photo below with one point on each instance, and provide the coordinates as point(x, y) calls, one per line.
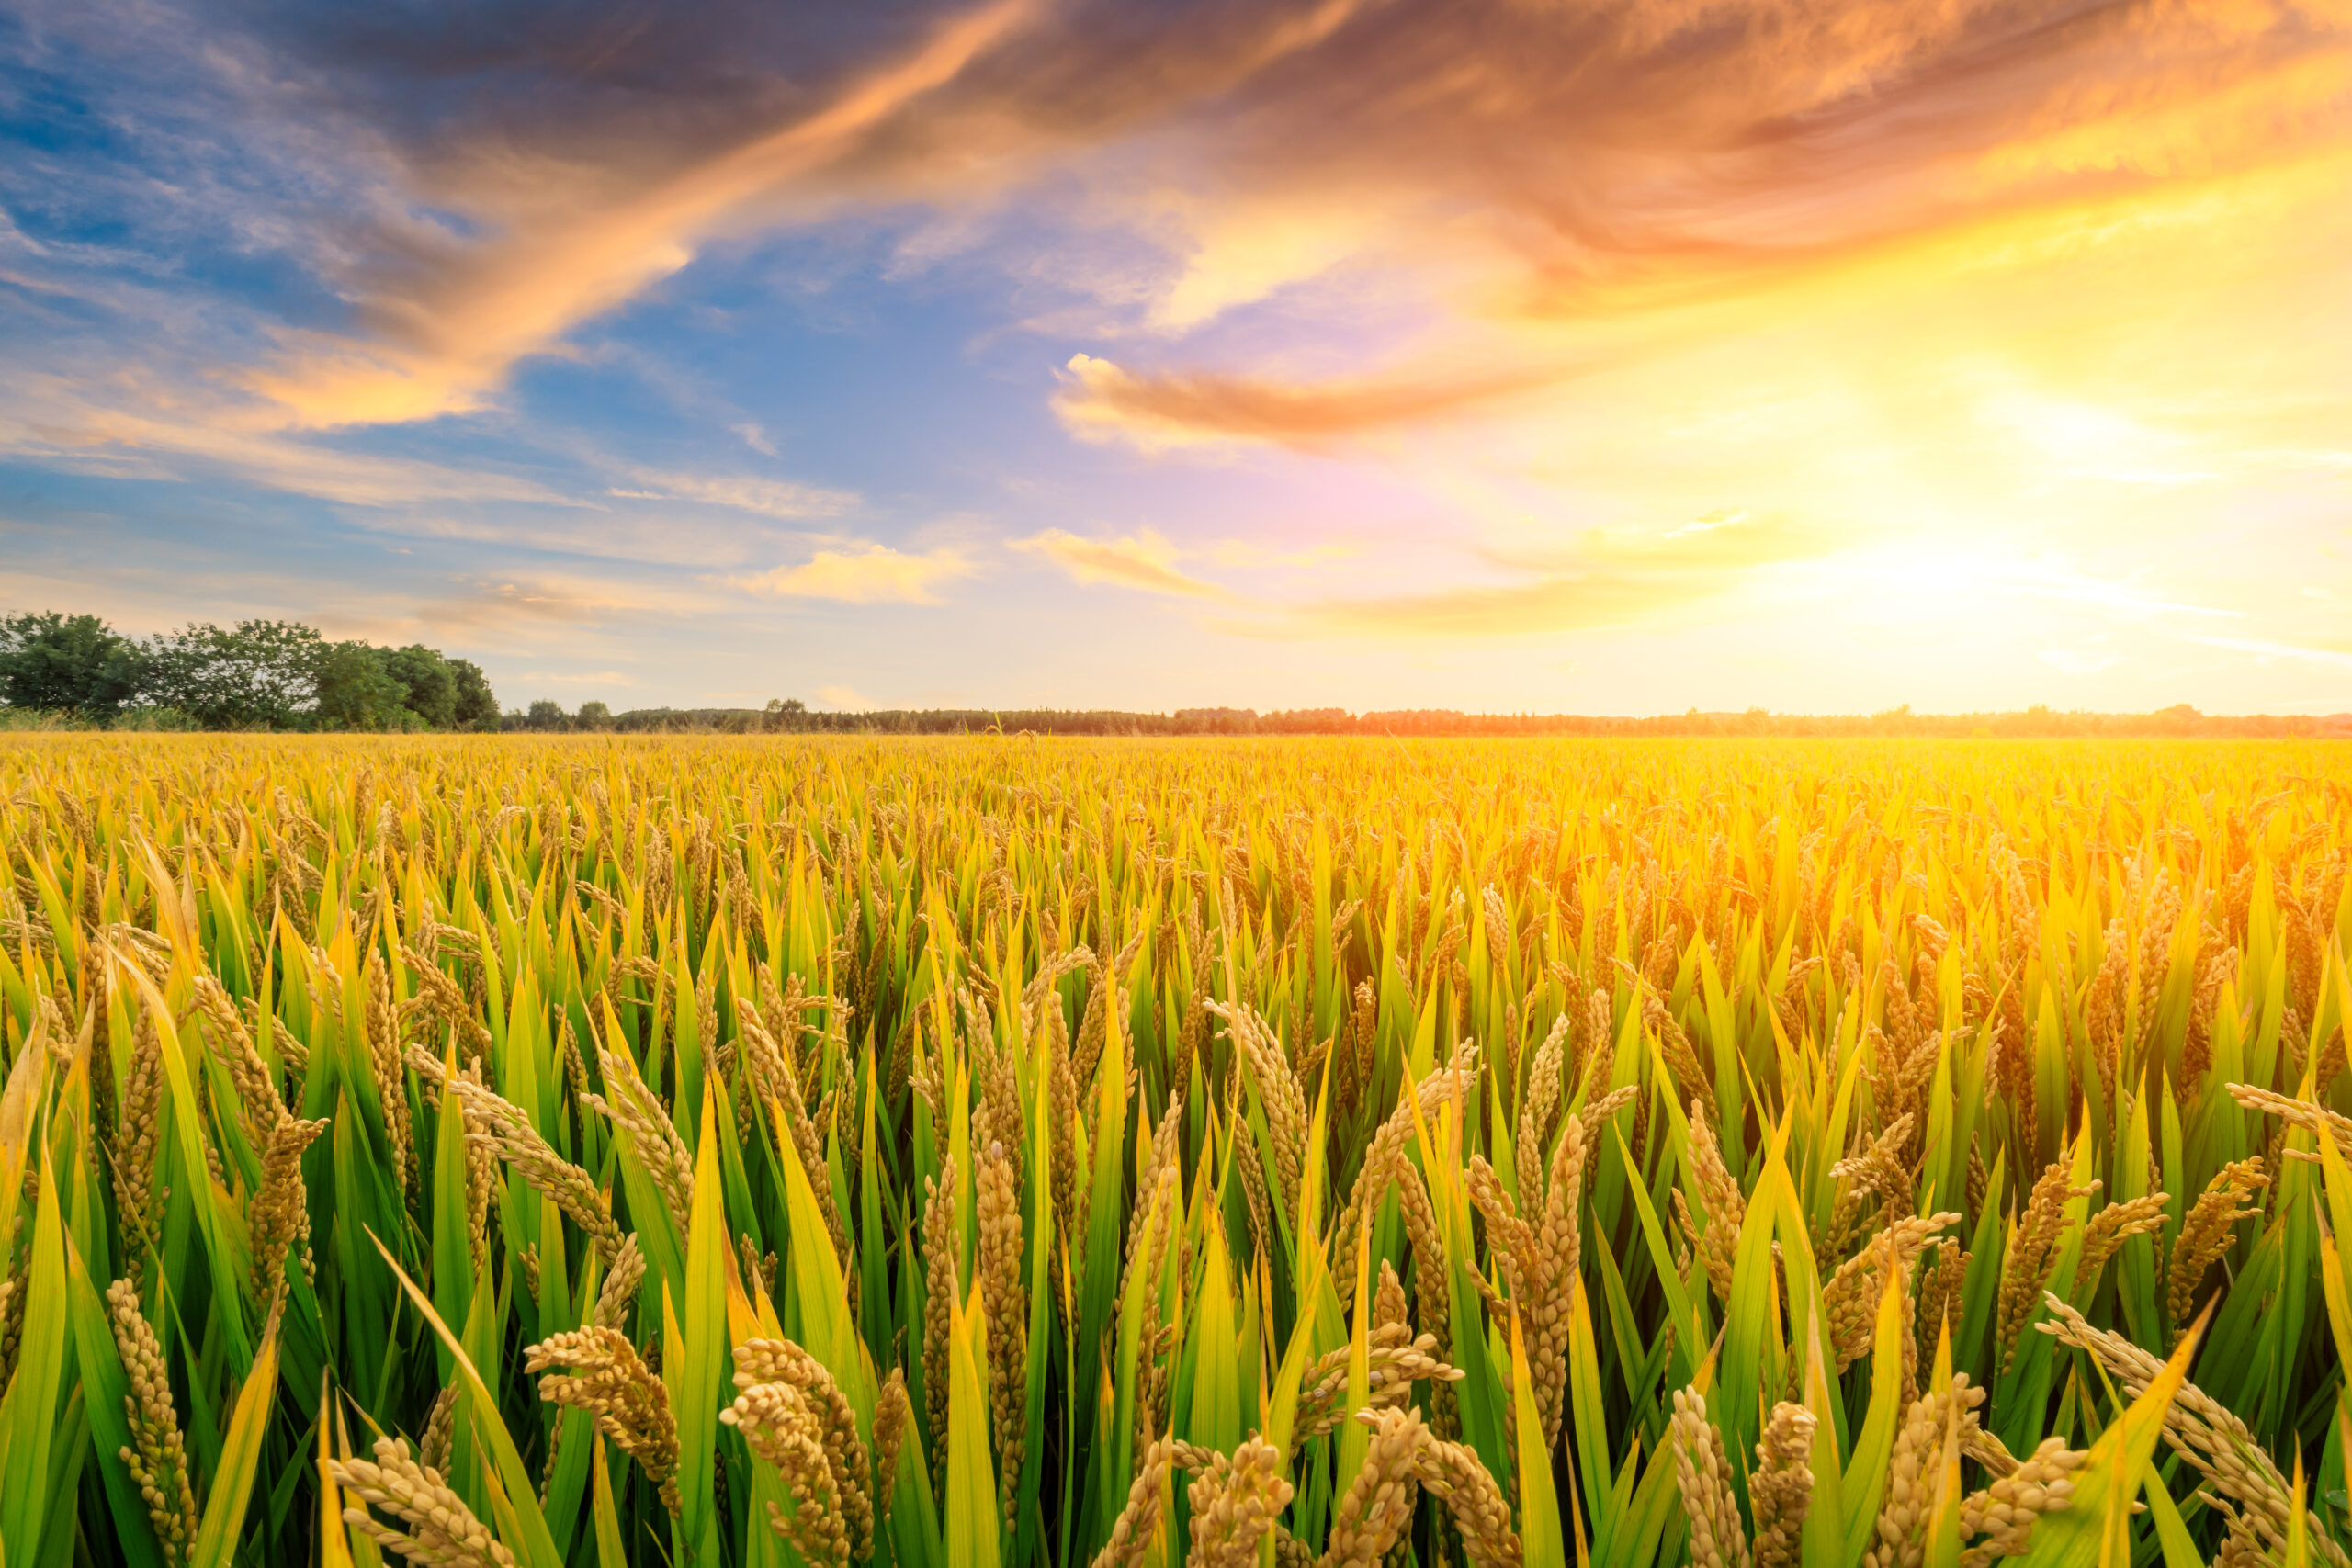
point(845, 699)
point(874, 575)
point(755, 438)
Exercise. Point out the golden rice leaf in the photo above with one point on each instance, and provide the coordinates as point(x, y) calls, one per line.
point(972, 1517)
point(1539, 1515)
point(241, 1445)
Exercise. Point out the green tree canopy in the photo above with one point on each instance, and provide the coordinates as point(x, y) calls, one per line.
point(476, 707)
point(428, 685)
point(67, 663)
point(357, 689)
point(255, 675)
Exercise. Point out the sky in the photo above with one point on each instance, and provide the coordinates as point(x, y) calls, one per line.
point(1599, 356)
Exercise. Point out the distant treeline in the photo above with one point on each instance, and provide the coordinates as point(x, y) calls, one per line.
point(254, 675)
point(283, 675)
point(792, 717)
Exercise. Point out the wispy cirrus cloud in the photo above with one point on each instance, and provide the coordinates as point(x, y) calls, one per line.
point(1144, 559)
point(781, 499)
point(56, 421)
point(2338, 656)
point(534, 606)
point(453, 318)
point(1607, 578)
point(1099, 400)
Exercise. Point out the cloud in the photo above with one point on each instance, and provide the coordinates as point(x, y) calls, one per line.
point(52, 420)
point(874, 574)
point(452, 317)
point(1724, 517)
point(1143, 560)
point(1099, 400)
point(522, 606)
point(769, 498)
point(1611, 577)
point(1606, 576)
point(845, 699)
point(2264, 650)
point(472, 194)
point(1618, 258)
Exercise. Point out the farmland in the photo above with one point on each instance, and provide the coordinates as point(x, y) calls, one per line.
point(1015, 1152)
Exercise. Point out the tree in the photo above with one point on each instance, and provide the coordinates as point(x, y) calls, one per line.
point(594, 715)
point(67, 663)
point(547, 714)
point(476, 706)
point(259, 674)
point(357, 689)
point(428, 686)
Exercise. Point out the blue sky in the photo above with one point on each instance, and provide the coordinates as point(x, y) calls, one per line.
point(1620, 357)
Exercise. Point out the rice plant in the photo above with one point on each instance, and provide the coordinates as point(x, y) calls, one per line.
point(1007, 1153)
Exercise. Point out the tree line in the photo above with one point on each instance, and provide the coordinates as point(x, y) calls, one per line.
point(255, 674)
point(284, 675)
point(2038, 722)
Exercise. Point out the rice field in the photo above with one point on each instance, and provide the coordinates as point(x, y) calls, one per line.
point(1008, 1153)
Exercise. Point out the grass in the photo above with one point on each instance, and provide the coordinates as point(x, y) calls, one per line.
point(1015, 1152)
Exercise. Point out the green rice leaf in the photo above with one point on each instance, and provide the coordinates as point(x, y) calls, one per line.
point(535, 1548)
point(695, 1392)
point(29, 1411)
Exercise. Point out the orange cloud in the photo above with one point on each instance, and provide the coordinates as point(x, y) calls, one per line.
point(1143, 560)
point(874, 575)
point(1098, 400)
point(1611, 577)
point(1490, 162)
point(446, 341)
point(55, 419)
point(536, 608)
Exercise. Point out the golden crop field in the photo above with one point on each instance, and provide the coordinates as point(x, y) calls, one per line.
point(1010, 1152)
